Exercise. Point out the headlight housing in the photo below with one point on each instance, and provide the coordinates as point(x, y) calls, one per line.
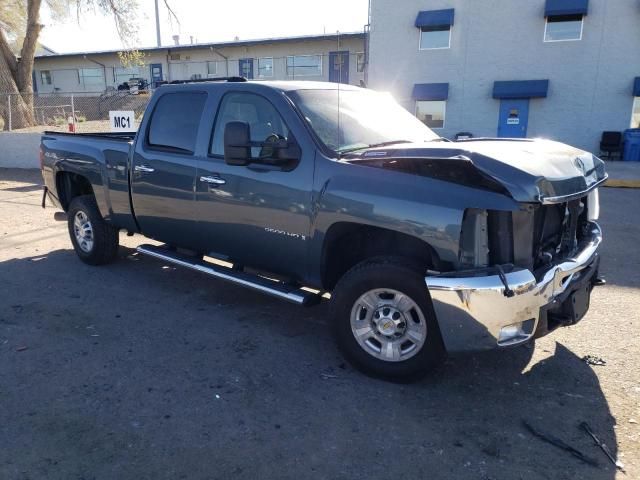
point(593, 205)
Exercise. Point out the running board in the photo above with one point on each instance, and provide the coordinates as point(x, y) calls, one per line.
point(270, 287)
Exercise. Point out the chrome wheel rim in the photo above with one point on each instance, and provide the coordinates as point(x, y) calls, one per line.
point(388, 325)
point(83, 232)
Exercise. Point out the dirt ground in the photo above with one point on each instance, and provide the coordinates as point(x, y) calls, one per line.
point(139, 370)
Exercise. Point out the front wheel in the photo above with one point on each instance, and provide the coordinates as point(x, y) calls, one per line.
point(94, 240)
point(384, 321)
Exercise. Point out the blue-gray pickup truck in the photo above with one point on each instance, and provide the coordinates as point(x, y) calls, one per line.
point(303, 189)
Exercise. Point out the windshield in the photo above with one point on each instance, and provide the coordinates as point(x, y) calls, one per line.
point(348, 120)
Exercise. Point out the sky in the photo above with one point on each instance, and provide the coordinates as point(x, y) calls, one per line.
point(209, 21)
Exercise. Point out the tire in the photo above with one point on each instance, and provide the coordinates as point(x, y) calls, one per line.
point(401, 298)
point(93, 239)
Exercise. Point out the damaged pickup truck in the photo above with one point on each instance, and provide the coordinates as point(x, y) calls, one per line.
point(300, 189)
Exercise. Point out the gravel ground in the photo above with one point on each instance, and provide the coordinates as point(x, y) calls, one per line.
point(138, 370)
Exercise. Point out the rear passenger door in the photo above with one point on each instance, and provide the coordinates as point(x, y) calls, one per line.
point(258, 215)
point(164, 169)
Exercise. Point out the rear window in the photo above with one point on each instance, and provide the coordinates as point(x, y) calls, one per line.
point(175, 121)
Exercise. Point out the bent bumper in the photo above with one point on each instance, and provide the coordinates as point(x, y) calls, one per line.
point(475, 314)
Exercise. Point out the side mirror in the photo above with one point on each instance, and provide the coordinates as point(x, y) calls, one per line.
point(237, 143)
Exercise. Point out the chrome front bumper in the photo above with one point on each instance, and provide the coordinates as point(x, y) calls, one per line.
point(473, 311)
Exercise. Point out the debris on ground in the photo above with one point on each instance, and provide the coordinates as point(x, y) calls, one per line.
point(327, 376)
point(594, 360)
point(556, 442)
point(619, 465)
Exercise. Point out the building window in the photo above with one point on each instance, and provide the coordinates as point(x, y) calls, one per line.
point(360, 61)
point(431, 112)
point(563, 28)
point(304, 65)
point(91, 77)
point(635, 115)
point(212, 69)
point(45, 77)
point(123, 75)
point(435, 37)
point(265, 67)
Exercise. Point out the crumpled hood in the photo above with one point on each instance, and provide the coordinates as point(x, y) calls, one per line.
point(530, 170)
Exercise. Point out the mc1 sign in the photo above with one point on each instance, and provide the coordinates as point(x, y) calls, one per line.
point(122, 120)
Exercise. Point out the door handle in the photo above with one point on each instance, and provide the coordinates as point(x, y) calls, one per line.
point(144, 169)
point(213, 180)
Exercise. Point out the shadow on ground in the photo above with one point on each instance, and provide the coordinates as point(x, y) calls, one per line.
point(139, 370)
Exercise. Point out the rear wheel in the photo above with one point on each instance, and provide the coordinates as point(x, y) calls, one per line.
point(384, 321)
point(93, 239)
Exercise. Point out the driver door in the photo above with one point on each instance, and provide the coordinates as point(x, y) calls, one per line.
point(256, 215)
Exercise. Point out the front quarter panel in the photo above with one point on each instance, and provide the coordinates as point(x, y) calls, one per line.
point(427, 209)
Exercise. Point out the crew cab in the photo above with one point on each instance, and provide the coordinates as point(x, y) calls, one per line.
point(308, 191)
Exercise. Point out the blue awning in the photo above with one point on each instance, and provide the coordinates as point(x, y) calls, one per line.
point(521, 89)
point(636, 87)
point(566, 7)
point(435, 18)
point(430, 91)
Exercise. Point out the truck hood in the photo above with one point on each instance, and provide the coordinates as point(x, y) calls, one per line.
point(529, 170)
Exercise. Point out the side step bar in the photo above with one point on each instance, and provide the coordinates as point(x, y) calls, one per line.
point(270, 287)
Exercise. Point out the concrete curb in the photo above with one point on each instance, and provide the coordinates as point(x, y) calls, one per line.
point(622, 183)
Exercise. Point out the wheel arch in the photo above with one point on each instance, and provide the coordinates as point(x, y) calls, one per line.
point(346, 244)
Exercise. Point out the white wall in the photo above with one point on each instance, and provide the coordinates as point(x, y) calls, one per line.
point(19, 150)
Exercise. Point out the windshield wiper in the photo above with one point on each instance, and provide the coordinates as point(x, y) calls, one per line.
point(374, 145)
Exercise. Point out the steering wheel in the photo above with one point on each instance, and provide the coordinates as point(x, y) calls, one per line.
point(266, 152)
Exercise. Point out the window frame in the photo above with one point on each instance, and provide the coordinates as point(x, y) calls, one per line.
point(444, 113)
point(421, 48)
point(635, 110)
point(259, 59)
point(82, 76)
point(217, 156)
point(546, 26)
point(364, 62)
point(320, 64)
point(215, 73)
point(167, 148)
point(49, 77)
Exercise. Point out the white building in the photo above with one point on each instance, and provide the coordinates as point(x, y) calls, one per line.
point(335, 57)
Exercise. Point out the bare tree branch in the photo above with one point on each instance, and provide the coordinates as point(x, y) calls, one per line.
point(171, 12)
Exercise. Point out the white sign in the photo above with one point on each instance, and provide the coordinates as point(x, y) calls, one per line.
point(122, 120)
point(513, 121)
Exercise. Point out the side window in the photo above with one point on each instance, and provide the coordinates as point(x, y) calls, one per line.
point(175, 121)
point(265, 123)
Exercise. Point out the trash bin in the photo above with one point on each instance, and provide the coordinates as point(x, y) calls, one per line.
point(632, 145)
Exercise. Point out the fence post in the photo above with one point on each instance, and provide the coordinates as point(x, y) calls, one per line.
point(9, 105)
point(73, 113)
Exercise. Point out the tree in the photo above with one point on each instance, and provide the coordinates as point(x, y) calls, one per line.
point(20, 29)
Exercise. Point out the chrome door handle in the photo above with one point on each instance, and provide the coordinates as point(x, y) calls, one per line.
point(213, 180)
point(144, 169)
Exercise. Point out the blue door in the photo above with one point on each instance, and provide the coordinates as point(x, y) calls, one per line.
point(339, 67)
point(156, 73)
point(514, 118)
point(245, 66)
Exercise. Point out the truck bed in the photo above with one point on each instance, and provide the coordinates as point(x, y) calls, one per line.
point(101, 158)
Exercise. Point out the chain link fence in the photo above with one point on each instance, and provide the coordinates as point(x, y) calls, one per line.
point(97, 91)
point(68, 112)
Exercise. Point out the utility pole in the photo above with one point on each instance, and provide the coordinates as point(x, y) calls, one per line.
point(158, 39)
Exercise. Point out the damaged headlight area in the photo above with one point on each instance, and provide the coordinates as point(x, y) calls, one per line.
point(474, 240)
